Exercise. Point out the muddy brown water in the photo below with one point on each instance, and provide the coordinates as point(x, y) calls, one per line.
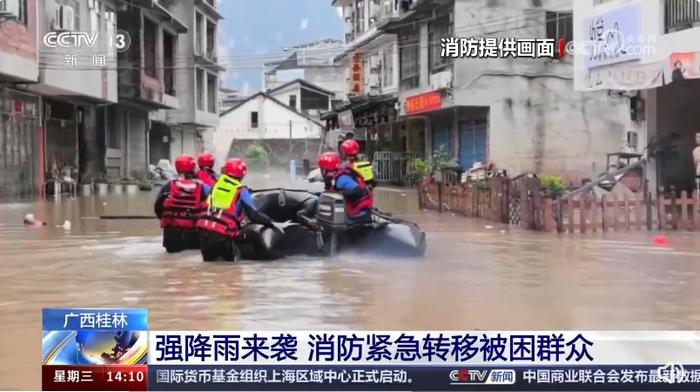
point(472, 277)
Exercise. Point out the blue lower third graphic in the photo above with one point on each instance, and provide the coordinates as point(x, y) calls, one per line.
point(421, 378)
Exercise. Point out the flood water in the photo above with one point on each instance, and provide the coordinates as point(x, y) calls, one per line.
point(473, 277)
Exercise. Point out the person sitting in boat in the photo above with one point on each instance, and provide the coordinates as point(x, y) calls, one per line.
point(206, 172)
point(350, 150)
point(179, 204)
point(230, 208)
point(358, 196)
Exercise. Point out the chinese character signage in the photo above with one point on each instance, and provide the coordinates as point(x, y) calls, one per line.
point(424, 102)
point(356, 75)
point(614, 36)
point(422, 360)
point(94, 349)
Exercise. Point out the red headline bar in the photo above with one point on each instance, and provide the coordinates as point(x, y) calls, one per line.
point(94, 378)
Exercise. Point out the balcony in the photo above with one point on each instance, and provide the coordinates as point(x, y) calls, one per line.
point(210, 7)
point(681, 15)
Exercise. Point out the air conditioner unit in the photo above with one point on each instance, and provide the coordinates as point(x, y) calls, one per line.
point(65, 18)
point(373, 81)
point(9, 9)
point(441, 80)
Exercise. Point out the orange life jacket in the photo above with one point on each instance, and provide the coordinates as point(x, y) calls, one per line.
point(355, 207)
point(183, 205)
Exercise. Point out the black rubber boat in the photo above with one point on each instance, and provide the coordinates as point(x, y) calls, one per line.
point(316, 225)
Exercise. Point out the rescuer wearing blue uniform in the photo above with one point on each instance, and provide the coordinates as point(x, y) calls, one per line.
point(358, 196)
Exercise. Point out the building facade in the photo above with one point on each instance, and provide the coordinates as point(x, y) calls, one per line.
point(284, 132)
point(21, 133)
point(655, 71)
point(195, 72)
point(371, 108)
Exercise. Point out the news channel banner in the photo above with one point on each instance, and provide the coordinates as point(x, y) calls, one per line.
point(115, 356)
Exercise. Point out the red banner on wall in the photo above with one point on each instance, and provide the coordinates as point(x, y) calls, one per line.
point(424, 102)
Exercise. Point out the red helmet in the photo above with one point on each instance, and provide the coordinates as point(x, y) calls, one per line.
point(235, 167)
point(350, 148)
point(205, 159)
point(329, 161)
point(185, 164)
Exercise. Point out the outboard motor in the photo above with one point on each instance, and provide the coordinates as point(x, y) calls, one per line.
point(332, 219)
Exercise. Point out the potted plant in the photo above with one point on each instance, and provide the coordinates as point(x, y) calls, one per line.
point(442, 163)
point(101, 184)
point(420, 170)
point(552, 187)
point(86, 186)
point(117, 186)
point(132, 186)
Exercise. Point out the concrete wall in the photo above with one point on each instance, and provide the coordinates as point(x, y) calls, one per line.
point(86, 79)
point(273, 123)
point(330, 78)
point(18, 46)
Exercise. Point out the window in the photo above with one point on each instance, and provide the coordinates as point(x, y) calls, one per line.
point(436, 31)
point(198, 22)
point(409, 60)
point(293, 101)
point(111, 23)
point(200, 89)
point(560, 25)
point(19, 8)
point(149, 48)
point(360, 17)
point(253, 119)
point(67, 15)
point(211, 93)
point(169, 62)
point(388, 66)
point(211, 40)
point(95, 12)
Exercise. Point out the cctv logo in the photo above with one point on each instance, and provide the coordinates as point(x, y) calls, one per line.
point(482, 376)
point(70, 39)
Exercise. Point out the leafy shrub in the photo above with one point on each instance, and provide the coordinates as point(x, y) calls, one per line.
point(553, 186)
point(256, 155)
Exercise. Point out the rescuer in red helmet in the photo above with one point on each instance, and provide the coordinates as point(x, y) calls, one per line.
point(230, 208)
point(206, 172)
point(358, 197)
point(179, 205)
point(350, 150)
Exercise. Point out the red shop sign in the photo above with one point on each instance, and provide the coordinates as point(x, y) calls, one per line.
point(424, 102)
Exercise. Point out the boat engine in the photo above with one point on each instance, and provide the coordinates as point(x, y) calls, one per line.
point(331, 211)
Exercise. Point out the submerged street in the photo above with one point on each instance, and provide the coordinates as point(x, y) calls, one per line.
point(473, 277)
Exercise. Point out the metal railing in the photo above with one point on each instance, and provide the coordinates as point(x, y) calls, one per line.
point(393, 167)
point(681, 14)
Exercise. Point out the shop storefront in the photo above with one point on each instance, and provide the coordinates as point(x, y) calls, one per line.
point(21, 148)
point(655, 70)
point(459, 132)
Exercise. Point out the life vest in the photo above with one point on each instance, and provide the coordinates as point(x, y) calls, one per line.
point(355, 207)
point(207, 176)
point(183, 205)
point(221, 217)
point(364, 170)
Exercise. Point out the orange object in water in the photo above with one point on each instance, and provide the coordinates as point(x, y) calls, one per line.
point(661, 240)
